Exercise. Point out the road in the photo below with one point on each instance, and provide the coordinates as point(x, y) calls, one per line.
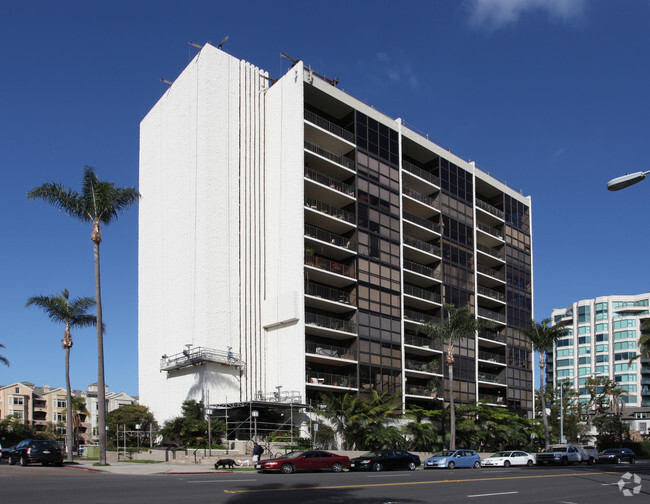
point(562, 485)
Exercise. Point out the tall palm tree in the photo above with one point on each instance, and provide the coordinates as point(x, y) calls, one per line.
point(644, 342)
point(542, 337)
point(74, 314)
point(2, 358)
point(459, 323)
point(100, 202)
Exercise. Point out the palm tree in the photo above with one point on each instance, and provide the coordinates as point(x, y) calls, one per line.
point(644, 342)
point(3, 359)
point(459, 323)
point(73, 314)
point(542, 337)
point(100, 202)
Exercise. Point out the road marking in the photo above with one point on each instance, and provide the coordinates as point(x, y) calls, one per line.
point(220, 481)
point(392, 475)
point(369, 485)
point(491, 494)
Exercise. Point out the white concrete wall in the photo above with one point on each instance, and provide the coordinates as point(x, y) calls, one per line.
point(283, 314)
point(190, 283)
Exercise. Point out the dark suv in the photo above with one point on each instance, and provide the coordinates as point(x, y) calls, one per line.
point(36, 450)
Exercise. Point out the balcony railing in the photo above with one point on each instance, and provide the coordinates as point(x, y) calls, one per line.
point(491, 357)
point(339, 352)
point(329, 293)
point(422, 391)
point(492, 335)
point(419, 341)
point(342, 160)
point(326, 236)
point(492, 399)
point(332, 183)
point(336, 380)
point(499, 378)
point(422, 269)
point(421, 221)
point(329, 126)
point(494, 273)
point(329, 265)
point(494, 252)
point(426, 367)
point(491, 293)
point(427, 200)
point(422, 245)
point(198, 355)
point(330, 210)
point(490, 230)
point(424, 318)
point(334, 323)
point(491, 314)
point(423, 174)
point(490, 209)
point(418, 292)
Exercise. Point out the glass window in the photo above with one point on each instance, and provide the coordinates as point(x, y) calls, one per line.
point(602, 369)
point(584, 314)
point(584, 330)
point(621, 324)
point(603, 327)
point(564, 372)
point(602, 348)
point(584, 371)
point(584, 351)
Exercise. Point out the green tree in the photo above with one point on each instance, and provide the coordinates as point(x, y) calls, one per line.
point(459, 323)
point(425, 432)
point(542, 337)
point(2, 358)
point(79, 413)
point(127, 417)
point(73, 314)
point(14, 429)
point(99, 203)
point(191, 428)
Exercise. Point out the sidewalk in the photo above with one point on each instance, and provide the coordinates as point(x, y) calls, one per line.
point(146, 469)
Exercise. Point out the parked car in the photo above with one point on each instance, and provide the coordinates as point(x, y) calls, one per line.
point(560, 454)
point(385, 459)
point(5, 452)
point(616, 456)
point(36, 451)
point(310, 460)
point(509, 458)
point(453, 458)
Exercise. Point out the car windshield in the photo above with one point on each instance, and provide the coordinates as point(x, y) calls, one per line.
point(558, 449)
point(444, 453)
point(502, 454)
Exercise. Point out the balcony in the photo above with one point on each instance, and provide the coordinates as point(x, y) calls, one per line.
point(333, 245)
point(423, 174)
point(422, 298)
point(423, 367)
point(200, 355)
point(491, 293)
point(422, 391)
point(328, 155)
point(419, 317)
point(492, 273)
point(427, 345)
point(492, 315)
point(491, 251)
point(490, 209)
point(421, 251)
point(329, 326)
point(332, 380)
point(491, 357)
point(324, 270)
point(420, 204)
point(422, 228)
point(329, 294)
point(329, 126)
point(496, 378)
point(492, 336)
point(321, 185)
point(492, 399)
point(328, 216)
point(420, 274)
point(326, 353)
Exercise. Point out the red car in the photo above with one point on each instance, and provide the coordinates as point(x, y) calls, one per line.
point(310, 460)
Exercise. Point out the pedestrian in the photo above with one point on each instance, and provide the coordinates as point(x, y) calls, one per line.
point(257, 452)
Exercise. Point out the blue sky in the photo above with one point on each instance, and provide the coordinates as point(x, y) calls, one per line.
point(548, 96)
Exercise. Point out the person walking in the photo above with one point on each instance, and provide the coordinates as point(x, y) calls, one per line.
point(257, 452)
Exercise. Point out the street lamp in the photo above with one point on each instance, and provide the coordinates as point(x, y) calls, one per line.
point(626, 180)
point(255, 414)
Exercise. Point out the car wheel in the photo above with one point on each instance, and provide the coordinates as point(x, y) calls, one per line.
point(529, 463)
point(287, 468)
point(377, 467)
point(23, 461)
point(411, 466)
point(337, 467)
point(477, 464)
point(565, 461)
point(451, 465)
point(591, 461)
point(507, 463)
point(617, 460)
point(632, 461)
point(12, 461)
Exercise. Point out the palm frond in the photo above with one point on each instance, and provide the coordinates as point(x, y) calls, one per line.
point(60, 197)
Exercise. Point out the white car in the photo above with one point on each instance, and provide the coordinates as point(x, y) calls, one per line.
point(509, 458)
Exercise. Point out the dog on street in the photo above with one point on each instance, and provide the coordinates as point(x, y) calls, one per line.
point(229, 463)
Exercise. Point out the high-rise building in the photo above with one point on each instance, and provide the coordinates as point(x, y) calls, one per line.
point(293, 240)
point(602, 337)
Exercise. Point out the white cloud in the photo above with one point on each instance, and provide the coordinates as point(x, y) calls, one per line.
point(496, 14)
point(397, 71)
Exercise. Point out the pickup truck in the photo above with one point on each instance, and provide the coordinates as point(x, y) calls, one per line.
point(560, 454)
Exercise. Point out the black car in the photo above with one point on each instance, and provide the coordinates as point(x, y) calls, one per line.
point(37, 451)
point(616, 456)
point(385, 459)
point(5, 452)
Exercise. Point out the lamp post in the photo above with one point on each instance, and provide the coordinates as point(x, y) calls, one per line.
point(561, 413)
point(626, 180)
point(255, 414)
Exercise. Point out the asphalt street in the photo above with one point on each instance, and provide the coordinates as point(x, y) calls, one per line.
point(165, 483)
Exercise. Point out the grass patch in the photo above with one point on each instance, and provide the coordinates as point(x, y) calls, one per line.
point(97, 464)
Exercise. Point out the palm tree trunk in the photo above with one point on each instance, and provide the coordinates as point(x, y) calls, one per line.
point(547, 441)
point(452, 410)
point(68, 400)
point(101, 389)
